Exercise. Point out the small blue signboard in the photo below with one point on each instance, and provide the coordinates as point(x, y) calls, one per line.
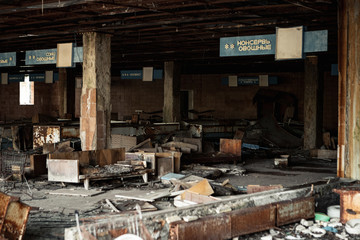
point(8, 59)
point(34, 77)
point(138, 74)
point(48, 56)
point(314, 41)
point(247, 81)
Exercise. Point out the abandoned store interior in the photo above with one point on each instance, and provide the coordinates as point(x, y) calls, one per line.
point(179, 119)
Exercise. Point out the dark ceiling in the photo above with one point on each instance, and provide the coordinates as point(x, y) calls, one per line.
point(149, 32)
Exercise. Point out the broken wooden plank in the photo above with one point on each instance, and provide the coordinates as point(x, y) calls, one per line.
point(147, 142)
point(111, 205)
point(62, 170)
point(203, 188)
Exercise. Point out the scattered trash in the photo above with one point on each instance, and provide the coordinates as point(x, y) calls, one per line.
point(306, 223)
point(330, 229)
point(317, 232)
point(333, 211)
point(190, 218)
point(322, 217)
point(173, 219)
point(353, 226)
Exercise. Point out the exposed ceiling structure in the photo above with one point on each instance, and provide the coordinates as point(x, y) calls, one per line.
point(149, 32)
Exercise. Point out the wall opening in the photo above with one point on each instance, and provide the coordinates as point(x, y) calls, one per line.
point(26, 91)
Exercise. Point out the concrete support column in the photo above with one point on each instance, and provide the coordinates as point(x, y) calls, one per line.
point(349, 89)
point(171, 110)
point(62, 92)
point(312, 129)
point(95, 94)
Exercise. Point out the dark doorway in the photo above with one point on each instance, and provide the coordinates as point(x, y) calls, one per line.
point(184, 104)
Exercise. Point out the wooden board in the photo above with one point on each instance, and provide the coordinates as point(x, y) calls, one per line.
point(62, 170)
point(232, 146)
point(76, 192)
point(202, 188)
point(323, 153)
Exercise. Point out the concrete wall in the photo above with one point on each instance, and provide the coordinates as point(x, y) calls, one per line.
point(46, 101)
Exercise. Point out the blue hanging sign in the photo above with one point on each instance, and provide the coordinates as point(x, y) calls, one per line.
point(138, 74)
point(48, 56)
point(8, 59)
point(314, 41)
point(78, 54)
point(45, 56)
point(247, 45)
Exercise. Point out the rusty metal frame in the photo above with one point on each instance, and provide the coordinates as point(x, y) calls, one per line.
point(13, 217)
point(206, 228)
point(244, 221)
point(349, 203)
point(4, 203)
point(295, 210)
point(250, 220)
